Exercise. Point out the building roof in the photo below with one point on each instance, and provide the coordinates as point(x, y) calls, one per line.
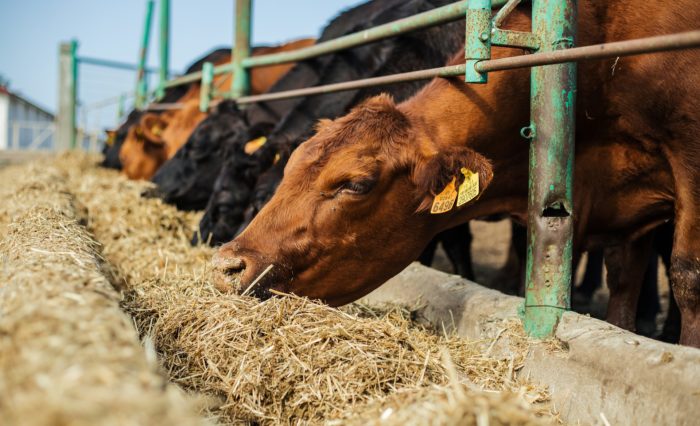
point(5, 91)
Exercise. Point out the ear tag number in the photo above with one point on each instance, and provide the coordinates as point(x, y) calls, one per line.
point(254, 145)
point(444, 201)
point(469, 189)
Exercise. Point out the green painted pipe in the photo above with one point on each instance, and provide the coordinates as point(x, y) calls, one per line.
point(73, 93)
point(240, 85)
point(113, 64)
point(550, 200)
point(205, 92)
point(141, 78)
point(164, 46)
point(477, 45)
point(440, 15)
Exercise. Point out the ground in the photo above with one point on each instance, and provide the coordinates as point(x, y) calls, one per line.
point(490, 249)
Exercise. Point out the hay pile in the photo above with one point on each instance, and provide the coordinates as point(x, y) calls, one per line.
point(68, 354)
point(285, 360)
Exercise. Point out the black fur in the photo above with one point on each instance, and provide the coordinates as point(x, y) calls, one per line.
point(429, 48)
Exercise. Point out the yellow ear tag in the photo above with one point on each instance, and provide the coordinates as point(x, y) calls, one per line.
point(254, 145)
point(156, 130)
point(469, 189)
point(444, 201)
point(277, 158)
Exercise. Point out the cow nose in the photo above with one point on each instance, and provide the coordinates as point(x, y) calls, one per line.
point(228, 272)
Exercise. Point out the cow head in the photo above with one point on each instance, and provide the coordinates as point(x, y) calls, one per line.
point(143, 150)
point(352, 210)
point(157, 138)
point(187, 179)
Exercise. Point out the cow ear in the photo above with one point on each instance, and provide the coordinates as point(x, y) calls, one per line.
point(152, 126)
point(432, 175)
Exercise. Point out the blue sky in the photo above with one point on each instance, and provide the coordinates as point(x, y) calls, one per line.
point(31, 31)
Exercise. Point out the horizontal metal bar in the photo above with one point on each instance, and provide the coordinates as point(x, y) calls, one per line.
point(197, 75)
point(685, 40)
point(164, 106)
point(690, 39)
point(449, 71)
point(112, 64)
point(440, 15)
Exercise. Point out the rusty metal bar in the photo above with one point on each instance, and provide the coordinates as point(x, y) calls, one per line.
point(205, 91)
point(504, 12)
point(550, 224)
point(438, 16)
point(663, 43)
point(449, 71)
point(240, 83)
point(141, 78)
point(164, 46)
point(164, 106)
point(685, 40)
point(448, 13)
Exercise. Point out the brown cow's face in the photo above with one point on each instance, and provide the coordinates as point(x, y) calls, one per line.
point(142, 153)
point(351, 211)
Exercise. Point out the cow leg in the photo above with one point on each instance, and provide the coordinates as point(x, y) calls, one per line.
point(426, 257)
point(648, 307)
point(624, 280)
point(513, 273)
point(663, 244)
point(685, 277)
point(593, 276)
point(457, 243)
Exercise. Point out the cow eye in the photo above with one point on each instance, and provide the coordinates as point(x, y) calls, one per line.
point(359, 187)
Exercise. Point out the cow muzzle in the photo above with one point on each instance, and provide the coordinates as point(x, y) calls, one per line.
point(249, 274)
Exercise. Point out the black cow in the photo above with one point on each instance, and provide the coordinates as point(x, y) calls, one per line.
point(423, 49)
point(172, 94)
point(187, 179)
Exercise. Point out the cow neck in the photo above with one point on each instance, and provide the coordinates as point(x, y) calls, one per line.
point(450, 113)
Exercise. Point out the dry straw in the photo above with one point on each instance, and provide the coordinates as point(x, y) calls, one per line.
point(288, 360)
point(68, 354)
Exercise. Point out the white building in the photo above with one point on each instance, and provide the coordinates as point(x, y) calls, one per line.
point(23, 124)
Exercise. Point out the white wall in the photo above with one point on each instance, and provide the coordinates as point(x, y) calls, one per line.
point(4, 120)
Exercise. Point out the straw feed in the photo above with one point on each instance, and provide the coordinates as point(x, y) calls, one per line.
point(68, 354)
point(287, 360)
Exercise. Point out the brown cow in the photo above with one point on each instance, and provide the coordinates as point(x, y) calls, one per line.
point(353, 207)
point(157, 137)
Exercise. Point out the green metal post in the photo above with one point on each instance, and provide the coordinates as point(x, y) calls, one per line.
point(240, 85)
point(478, 39)
point(164, 41)
point(141, 77)
point(205, 92)
point(550, 204)
point(67, 95)
point(121, 107)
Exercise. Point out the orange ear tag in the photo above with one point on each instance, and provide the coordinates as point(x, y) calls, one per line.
point(444, 201)
point(254, 145)
point(469, 189)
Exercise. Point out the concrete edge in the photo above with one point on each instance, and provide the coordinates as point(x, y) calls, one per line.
point(605, 374)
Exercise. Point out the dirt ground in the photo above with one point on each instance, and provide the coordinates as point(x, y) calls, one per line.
point(490, 252)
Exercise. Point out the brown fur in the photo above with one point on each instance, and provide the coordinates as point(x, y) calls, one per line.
point(637, 164)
